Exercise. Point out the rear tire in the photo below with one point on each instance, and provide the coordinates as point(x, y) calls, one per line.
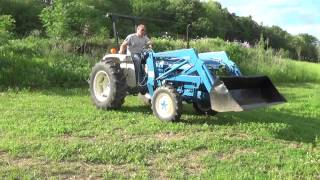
point(107, 85)
point(166, 104)
point(204, 109)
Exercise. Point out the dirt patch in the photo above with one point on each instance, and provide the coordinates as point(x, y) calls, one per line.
point(82, 170)
point(169, 136)
point(294, 145)
point(90, 139)
point(193, 162)
point(70, 138)
point(2, 153)
point(160, 165)
point(237, 136)
point(66, 169)
point(234, 153)
point(67, 137)
point(158, 169)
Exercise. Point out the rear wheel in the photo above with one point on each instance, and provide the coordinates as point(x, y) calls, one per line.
point(203, 108)
point(166, 104)
point(107, 85)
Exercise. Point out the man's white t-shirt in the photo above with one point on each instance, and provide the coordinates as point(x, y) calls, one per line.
point(136, 43)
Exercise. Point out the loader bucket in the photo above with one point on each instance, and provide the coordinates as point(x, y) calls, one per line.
point(243, 93)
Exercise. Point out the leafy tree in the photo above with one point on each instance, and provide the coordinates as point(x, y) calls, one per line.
point(249, 30)
point(298, 43)
point(7, 23)
point(25, 12)
point(318, 50)
point(157, 23)
point(6, 27)
point(278, 38)
point(309, 47)
point(214, 22)
point(83, 18)
point(112, 6)
point(67, 18)
point(184, 12)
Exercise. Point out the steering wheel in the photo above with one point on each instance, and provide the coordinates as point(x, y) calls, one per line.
point(145, 54)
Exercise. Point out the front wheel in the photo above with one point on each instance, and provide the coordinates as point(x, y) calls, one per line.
point(166, 104)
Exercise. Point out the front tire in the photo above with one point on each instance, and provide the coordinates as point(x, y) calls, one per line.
point(166, 104)
point(107, 85)
point(204, 109)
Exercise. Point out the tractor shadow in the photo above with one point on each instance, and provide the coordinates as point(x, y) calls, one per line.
point(136, 109)
point(297, 127)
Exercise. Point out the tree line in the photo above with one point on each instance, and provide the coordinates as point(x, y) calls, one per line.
point(85, 18)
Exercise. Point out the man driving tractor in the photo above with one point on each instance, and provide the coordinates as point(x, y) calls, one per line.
point(134, 45)
point(136, 42)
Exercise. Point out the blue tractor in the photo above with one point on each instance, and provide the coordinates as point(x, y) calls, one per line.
point(210, 81)
point(178, 76)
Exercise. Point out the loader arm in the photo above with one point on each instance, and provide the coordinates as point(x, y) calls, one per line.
point(187, 64)
point(221, 58)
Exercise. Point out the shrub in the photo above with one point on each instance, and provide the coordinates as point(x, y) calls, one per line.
point(66, 18)
point(26, 14)
point(36, 63)
point(6, 27)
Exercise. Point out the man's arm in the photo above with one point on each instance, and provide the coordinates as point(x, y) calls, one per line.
point(148, 43)
point(123, 47)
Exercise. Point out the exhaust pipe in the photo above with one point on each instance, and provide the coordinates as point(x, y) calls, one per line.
point(243, 93)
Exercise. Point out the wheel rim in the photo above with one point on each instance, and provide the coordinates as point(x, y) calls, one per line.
point(101, 86)
point(164, 106)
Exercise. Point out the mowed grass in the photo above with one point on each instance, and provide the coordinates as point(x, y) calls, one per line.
point(60, 134)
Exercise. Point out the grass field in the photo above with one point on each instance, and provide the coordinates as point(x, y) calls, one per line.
point(60, 134)
point(310, 69)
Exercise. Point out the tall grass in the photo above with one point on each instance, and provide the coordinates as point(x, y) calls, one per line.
point(41, 63)
point(252, 61)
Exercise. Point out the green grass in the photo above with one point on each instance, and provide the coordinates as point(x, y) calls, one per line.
point(59, 134)
point(308, 69)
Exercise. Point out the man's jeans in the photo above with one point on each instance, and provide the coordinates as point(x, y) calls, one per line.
point(139, 69)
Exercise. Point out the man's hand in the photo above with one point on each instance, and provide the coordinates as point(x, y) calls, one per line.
point(149, 44)
point(123, 47)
